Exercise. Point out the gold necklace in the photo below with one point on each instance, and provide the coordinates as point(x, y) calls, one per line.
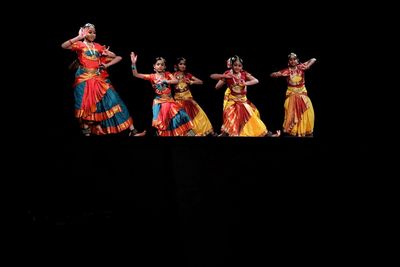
point(236, 78)
point(159, 78)
point(92, 51)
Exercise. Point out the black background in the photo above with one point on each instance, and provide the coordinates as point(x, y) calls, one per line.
point(197, 201)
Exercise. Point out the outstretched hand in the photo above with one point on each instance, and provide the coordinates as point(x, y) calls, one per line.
point(133, 57)
point(106, 51)
point(83, 32)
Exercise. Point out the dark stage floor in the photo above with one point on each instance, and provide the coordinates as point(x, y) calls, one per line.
point(192, 201)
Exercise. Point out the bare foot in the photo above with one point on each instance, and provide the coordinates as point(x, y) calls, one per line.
point(223, 134)
point(277, 134)
point(99, 130)
point(140, 134)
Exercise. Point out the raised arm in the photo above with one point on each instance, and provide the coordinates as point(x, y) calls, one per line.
point(134, 69)
point(310, 62)
point(68, 44)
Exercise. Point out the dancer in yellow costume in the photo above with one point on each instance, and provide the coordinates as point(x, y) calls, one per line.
point(240, 116)
point(202, 125)
point(299, 111)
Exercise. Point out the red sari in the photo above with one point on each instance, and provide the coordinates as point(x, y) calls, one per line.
point(240, 116)
point(169, 117)
point(96, 102)
point(202, 125)
point(299, 111)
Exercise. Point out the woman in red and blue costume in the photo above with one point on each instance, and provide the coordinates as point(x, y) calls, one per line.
point(98, 106)
point(105, 62)
point(169, 117)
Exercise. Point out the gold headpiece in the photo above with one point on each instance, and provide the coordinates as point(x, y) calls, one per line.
point(88, 25)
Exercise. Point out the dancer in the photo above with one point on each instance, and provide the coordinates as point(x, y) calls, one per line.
point(299, 112)
point(240, 116)
point(169, 117)
point(98, 106)
point(202, 125)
